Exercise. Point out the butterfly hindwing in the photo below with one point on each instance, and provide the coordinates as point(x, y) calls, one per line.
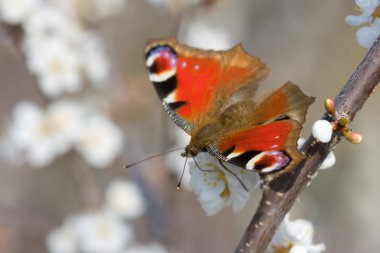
point(194, 84)
point(288, 101)
point(265, 148)
point(264, 140)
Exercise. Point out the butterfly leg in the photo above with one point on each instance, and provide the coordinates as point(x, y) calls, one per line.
point(199, 167)
point(234, 174)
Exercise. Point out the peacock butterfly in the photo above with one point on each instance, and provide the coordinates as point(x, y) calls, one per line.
point(209, 95)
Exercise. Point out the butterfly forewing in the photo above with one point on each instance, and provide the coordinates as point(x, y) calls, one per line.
point(194, 84)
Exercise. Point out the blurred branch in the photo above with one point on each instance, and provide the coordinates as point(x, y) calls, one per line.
point(91, 196)
point(153, 183)
point(25, 222)
point(13, 35)
point(281, 193)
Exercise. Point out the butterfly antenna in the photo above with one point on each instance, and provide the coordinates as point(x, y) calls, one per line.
point(183, 172)
point(151, 157)
point(234, 174)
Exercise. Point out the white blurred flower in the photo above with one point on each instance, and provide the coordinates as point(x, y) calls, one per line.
point(175, 5)
point(100, 232)
point(149, 248)
point(367, 7)
point(16, 11)
point(32, 133)
point(328, 162)
point(49, 21)
point(370, 14)
point(322, 130)
point(124, 198)
point(367, 35)
point(100, 142)
point(67, 117)
point(216, 188)
point(297, 236)
point(94, 61)
point(41, 135)
point(56, 64)
point(94, 10)
point(63, 239)
point(211, 37)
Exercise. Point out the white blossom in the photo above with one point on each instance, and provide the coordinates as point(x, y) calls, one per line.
point(296, 235)
point(125, 199)
point(367, 7)
point(32, 134)
point(41, 135)
point(94, 10)
point(49, 21)
point(67, 118)
point(216, 188)
point(63, 239)
point(100, 142)
point(100, 232)
point(212, 37)
point(56, 64)
point(366, 35)
point(149, 248)
point(94, 60)
point(16, 11)
point(329, 161)
point(322, 130)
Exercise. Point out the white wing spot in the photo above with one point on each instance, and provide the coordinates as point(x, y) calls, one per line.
point(162, 77)
point(171, 98)
point(234, 154)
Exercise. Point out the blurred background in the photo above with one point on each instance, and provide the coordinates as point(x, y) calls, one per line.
point(49, 181)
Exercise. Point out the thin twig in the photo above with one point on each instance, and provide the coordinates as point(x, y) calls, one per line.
point(282, 192)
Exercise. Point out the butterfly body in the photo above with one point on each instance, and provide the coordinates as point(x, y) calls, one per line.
point(209, 94)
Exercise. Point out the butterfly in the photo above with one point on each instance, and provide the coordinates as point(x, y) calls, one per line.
point(209, 95)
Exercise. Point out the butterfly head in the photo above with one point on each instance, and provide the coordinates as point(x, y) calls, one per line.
point(190, 151)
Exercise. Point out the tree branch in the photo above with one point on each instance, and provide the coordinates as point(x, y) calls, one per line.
point(281, 193)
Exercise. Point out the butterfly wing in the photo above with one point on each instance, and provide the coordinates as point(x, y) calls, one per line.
point(194, 84)
point(265, 136)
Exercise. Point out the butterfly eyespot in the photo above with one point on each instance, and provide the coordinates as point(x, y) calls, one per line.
point(161, 62)
point(268, 161)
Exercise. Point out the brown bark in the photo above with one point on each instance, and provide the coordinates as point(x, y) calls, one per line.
point(280, 195)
